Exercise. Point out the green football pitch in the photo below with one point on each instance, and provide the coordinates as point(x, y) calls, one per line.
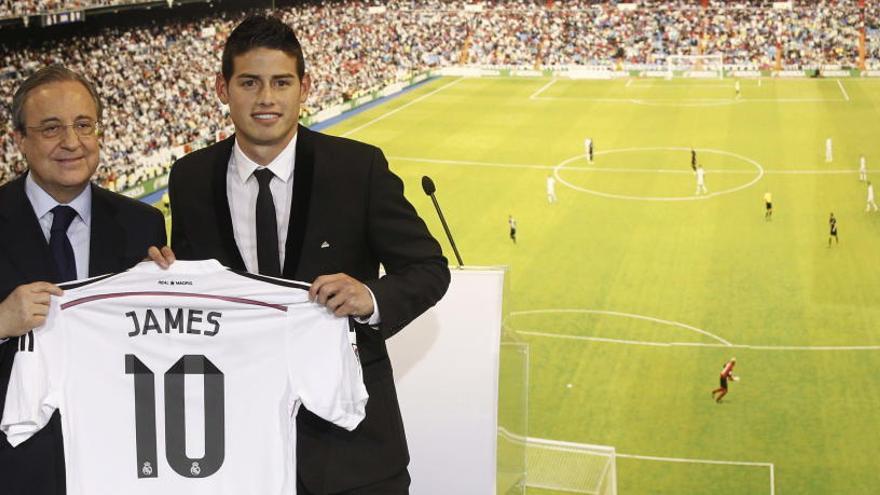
point(632, 292)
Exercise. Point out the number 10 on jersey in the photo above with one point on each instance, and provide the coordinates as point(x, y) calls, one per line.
point(175, 421)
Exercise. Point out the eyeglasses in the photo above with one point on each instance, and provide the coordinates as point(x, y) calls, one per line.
point(82, 128)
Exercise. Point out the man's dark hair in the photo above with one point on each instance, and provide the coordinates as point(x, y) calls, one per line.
point(259, 31)
point(47, 75)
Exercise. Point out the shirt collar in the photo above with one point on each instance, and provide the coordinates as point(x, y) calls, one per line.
point(43, 203)
point(281, 166)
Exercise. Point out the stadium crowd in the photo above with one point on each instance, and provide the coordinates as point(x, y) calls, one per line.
point(18, 8)
point(158, 81)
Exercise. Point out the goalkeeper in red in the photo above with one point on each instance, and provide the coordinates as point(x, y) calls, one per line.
point(726, 374)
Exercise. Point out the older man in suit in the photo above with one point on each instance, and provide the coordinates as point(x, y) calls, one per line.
point(282, 200)
point(56, 227)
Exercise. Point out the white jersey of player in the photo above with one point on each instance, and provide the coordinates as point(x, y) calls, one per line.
point(183, 381)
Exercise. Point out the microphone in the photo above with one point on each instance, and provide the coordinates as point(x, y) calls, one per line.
point(429, 188)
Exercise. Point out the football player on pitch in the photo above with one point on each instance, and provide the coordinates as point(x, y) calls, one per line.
point(726, 374)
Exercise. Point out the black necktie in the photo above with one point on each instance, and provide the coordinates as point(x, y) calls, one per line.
point(267, 227)
point(59, 244)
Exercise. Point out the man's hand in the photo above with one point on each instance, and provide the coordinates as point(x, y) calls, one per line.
point(26, 308)
point(342, 295)
point(162, 257)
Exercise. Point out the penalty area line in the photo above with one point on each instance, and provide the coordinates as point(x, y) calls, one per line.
point(534, 95)
point(695, 461)
point(700, 344)
point(842, 90)
point(768, 465)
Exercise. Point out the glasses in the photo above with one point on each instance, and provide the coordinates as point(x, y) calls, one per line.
point(83, 128)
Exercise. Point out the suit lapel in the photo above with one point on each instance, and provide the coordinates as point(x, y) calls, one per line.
point(221, 204)
point(107, 237)
point(29, 249)
point(303, 176)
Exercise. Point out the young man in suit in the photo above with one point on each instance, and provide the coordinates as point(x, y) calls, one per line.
point(55, 227)
point(282, 200)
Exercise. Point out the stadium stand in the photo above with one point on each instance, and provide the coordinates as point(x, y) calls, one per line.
point(157, 79)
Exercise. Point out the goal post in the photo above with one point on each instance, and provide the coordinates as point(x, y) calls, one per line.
point(567, 466)
point(695, 66)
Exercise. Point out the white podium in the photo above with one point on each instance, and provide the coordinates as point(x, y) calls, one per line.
point(446, 366)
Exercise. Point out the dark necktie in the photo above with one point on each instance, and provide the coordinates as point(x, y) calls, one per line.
point(267, 227)
point(59, 244)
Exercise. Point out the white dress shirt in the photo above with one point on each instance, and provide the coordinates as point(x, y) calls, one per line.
point(78, 233)
point(242, 189)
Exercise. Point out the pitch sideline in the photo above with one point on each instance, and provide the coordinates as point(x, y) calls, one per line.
point(721, 342)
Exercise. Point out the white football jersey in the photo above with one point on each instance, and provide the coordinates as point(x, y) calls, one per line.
point(183, 381)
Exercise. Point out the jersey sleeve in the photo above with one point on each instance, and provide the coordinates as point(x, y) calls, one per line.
point(34, 383)
point(323, 366)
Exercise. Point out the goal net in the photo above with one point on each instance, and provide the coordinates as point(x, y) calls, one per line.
point(695, 66)
point(567, 466)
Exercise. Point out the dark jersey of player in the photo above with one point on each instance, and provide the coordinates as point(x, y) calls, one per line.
point(728, 369)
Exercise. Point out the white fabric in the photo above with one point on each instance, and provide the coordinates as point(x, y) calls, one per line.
point(275, 351)
point(78, 233)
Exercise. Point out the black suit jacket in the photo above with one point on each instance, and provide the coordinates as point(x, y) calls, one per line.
point(121, 231)
point(346, 199)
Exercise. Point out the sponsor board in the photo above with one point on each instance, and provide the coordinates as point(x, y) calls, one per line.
point(135, 192)
point(393, 88)
point(461, 71)
point(655, 73)
point(789, 73)
point(702, 74)
point(328, 113)
point(746, 73)
point(589, 74)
